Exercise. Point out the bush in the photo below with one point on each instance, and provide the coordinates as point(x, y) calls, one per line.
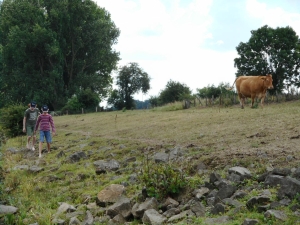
point(162, 180)
point(11, 119)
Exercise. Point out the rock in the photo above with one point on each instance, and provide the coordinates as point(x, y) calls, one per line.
point(74, 221)
point(139, 209)
point(169, 202)
point(225, 192)
point(161, 157)
point(199, 193)
point(183, 215)
point(232, 202)
point(118, 219)
point(197, 208)
point(171, 212)
point(218, 209)
point(281, 171)
point(35, 169)
point(219, 220)
point(7, 209)
point(243, 172)
point(151, 216)
point(250, 221)
point(89, 219)
point(273, 180)
point(290, 187)
point(122, 206)
point(214, 177)
point(276, 213)
point(76, 157)
point(104, 166)
point(110, 194)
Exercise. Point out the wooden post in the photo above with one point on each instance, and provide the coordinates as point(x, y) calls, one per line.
point(82, 110)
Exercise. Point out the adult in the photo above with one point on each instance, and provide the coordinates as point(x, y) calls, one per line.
point(44, 122)
point(29, 122)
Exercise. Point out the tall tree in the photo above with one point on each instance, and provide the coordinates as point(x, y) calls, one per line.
point(271, 51)
point(54, 49)
point(131, 79)
point(174, 91)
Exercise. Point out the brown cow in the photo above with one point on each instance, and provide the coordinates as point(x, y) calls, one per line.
point(253, 87)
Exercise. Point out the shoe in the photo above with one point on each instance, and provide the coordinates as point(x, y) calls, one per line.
point(33, 149)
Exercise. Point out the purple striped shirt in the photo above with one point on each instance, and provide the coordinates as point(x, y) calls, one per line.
point(45, 120)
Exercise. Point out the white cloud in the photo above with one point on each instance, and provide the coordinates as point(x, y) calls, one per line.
point(171, 39)
point(273, 16)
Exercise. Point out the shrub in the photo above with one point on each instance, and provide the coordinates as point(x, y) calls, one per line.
point(11, 119)
point(161, 179)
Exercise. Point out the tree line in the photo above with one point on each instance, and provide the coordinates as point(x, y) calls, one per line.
point(61, 53)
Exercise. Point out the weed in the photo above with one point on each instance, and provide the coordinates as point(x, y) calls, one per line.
point(162, 179)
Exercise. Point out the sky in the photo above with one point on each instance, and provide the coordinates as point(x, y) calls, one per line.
point(191, 41)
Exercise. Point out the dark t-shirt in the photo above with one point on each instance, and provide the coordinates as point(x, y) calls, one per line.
point(31, 116)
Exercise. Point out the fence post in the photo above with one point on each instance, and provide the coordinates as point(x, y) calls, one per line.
point(82, 110)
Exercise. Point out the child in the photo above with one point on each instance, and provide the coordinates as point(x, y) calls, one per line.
point(45, 120)
point(29, 122)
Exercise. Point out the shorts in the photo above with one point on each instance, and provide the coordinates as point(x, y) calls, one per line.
point(29, 130)
point(45, 134)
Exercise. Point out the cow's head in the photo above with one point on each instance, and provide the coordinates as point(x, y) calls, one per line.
point(268, 81)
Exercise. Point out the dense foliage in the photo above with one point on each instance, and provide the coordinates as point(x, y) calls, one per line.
point(213, 91)
point(53, 49)
point(131, 79)
point(271, 51)
point(174, 91)
point(162, 180)
point(11, 119)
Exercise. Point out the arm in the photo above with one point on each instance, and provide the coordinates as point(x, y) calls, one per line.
point(37, 124)
point(52, 125)
point(24, 124)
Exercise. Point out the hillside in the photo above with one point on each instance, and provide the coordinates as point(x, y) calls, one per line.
point(219, 138)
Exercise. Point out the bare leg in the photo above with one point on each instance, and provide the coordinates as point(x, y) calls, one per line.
point(33, 142)
point(48, 146)
point(40, 149)
point(28, 142)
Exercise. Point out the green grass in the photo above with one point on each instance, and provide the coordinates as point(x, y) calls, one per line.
point(219, 137)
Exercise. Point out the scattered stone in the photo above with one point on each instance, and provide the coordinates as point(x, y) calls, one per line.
point(139, 209)
point(183, 215)
point(104, 166)
point(219, 220)
point(151, 216)
point(276, 213)
point(250, 221)
point(7, 209)
point(110, 194)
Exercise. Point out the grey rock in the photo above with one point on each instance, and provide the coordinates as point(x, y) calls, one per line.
point(218, 209)
point(139, 209)
point(219, 220)
point(151, 216)
point(250, 221)
point(276, 213)
point(122, 206)
point(7, 209)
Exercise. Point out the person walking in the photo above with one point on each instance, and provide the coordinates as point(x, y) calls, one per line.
point(29, 122)
point(43, 123)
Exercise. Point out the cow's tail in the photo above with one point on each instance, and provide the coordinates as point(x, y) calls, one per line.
point(230, 88)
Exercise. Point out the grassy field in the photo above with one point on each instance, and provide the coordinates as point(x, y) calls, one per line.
point(220, 137)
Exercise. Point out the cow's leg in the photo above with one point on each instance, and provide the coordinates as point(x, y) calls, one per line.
point(242, 102)
point(252, 101)
point(262, 102)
